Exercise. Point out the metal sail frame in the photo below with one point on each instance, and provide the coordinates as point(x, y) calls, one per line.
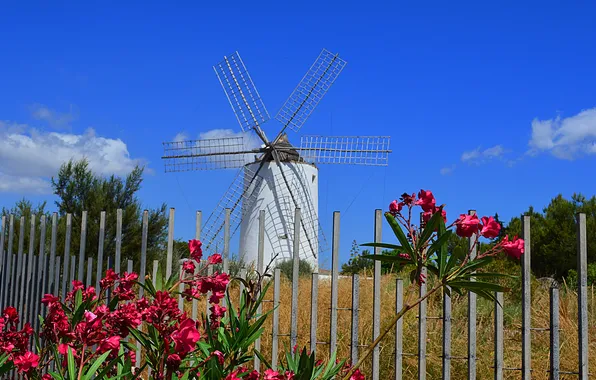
point(251, 113)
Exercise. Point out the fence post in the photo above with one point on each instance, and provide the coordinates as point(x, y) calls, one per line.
point(314, 304)
point(66, 267)
point(422, 307)
point(554, 333)
point(17, 274)
point(498, 336)
point(81, 274)
point(355, 315)
point(226, 248)
point(334, 279)
point(143, 265)
point(39, 287)
point(376, 355)
point(198, 222)
point(582, 296)
point(53, 267)
point(73, 268)
point(472, 301)
point(260, 269)
point(295, 274)
point(170, 252)
point(118, 258)
point(526, 303)
point(7, 286)
point(275, 324)
point(155, 266)
point(447, 333)
point(102, 231)
point(27, 285)
point(89, 272)
point(2, 263)
point(399, 304)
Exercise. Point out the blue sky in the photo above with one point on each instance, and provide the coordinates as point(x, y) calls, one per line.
point(490, 106)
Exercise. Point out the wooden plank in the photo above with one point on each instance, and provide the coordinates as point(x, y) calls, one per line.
point(499, 343)
point(72, 277)
point(198, 223)
point(100, 245)
point(7, 286)
point(18, 285)
point(66, 257)
point(118, 254)
point(295, 279)
point(81, 272)
point(355, 341)
point(582, 296)
point(260, 256)
point(170, 252)
point(226, 247)
point(554, 334)
point(472, 307)
point(314, 308)
point(446, 334)
point(90, 273)
point(526, 303)
point(334, 280)
point(275, 324)
point(143, 265)
point(422, 331)
point(376, 355)
point(3, 228)
point(399, 329)
point(52, 266)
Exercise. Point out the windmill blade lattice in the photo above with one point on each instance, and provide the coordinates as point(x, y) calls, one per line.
point(238, 198)
point(309, 92)
point(207, 154)
point(241, 92)
point(351, 150)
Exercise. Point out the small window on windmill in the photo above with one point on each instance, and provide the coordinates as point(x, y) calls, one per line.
point(313, 178)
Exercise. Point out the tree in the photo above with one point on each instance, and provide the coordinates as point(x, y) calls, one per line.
point(79, 189)
point(286, 268)
point(553, 234)
point(356, 263)
point(24, 208)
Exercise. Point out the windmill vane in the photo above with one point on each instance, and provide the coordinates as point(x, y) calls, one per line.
point(276, 177)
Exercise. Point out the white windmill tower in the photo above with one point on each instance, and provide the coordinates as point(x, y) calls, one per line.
point(276, 177)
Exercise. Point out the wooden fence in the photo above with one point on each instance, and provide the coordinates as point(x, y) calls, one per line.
point(25, 276)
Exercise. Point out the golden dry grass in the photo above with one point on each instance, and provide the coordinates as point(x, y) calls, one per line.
point(485, 328)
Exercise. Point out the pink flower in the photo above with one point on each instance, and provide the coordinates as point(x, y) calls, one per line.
point(27, 361)
point(426, 200)
point(219, 356)
point(110, 344)
point(11, 314)
point(109, 279)
point(513, 248)
point(271, 375)
point(408, 200)
point(173, 361)
point(490, 227)
point(215, 258)
point(188, 267)
point(357, 375)
point(186, 337)
point(254, 375)
point(395, 208)
point(467, 225)
point(195, 248)
point(289, 375)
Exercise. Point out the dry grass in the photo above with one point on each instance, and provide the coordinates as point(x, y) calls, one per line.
point(512, 318)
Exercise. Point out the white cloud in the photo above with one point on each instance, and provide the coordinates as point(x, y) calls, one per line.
point(447, 170)
point(566, 138)
point(180, 137)
point(54, 118)
point(29, 157)
point(477, 155)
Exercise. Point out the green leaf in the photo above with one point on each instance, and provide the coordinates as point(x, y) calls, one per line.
point(262, 359)
point(430, 228)
point(72, 373)
point(399, 233)
point(382, 245)
point(98, 362)
point(387, 258)
point(478, 285)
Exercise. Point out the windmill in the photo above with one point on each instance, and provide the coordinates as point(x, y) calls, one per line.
point(274, 175)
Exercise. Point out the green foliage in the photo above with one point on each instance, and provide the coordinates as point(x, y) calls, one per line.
point(571, 279)
point(554, 237)
point(356, 264)
point(305, 367)
point(24, 208)
point(287, 268)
